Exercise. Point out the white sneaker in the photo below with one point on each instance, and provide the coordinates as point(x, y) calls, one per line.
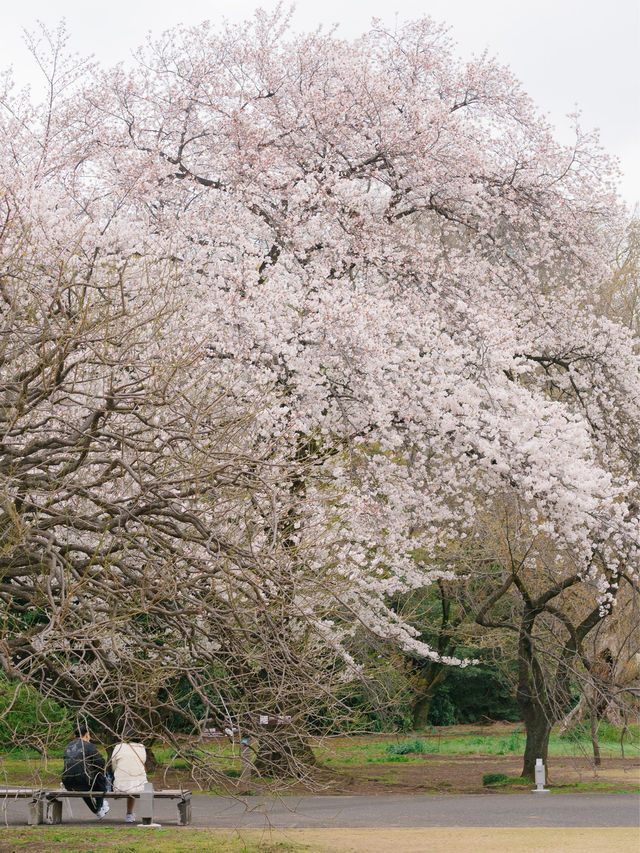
point(130, 817)
point(103, 810)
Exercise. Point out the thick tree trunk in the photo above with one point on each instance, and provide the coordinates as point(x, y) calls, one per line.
point(420, 711)
point(530, 695)
point(538, 730)
point(152, 764)
point(432, 675)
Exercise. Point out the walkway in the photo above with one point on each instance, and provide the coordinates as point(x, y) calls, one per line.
point(460, 810)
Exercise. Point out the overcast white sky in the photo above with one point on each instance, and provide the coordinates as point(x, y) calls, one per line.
point(566, 52)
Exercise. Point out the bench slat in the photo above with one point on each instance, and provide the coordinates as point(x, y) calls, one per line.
point(19, 792)
point(113, 795)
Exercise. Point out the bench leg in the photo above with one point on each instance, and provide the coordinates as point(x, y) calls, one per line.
point(35, 812)
point(184, 812)
point(52, 811)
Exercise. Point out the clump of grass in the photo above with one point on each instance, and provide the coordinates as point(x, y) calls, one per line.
point(510, 744)
point(500, 780)
point(494, 778)
point(407, 747)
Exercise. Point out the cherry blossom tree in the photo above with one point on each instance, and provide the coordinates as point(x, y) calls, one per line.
point(144, 567)
point(374, 253)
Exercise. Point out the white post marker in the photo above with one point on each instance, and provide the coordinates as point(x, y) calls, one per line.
point(146, 806)
point(540, 778)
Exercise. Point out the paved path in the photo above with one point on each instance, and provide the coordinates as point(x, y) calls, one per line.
point(396, 810)
point(393, 810)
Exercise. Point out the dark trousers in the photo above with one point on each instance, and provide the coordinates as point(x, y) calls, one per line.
point(83, 783)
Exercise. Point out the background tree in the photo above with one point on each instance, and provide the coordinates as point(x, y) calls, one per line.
point(517, 582)
point(620, 296)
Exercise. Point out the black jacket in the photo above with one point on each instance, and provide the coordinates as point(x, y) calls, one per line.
point(81, 759)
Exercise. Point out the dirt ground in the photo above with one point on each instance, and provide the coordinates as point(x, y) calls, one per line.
point(463, 774)
point(450, 774)
point(445, 774)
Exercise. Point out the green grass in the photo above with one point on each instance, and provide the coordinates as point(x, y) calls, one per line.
point(21, 767)
point(592, 787)
point(24, 767)
point(38, 839)
point(345, 751)
point(500, 780)
point(408, 747)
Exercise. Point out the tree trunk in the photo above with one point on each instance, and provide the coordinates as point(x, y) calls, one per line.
point(537, 744)
point(283, 754)
point(538, 727)
point(152, 764)
point(530, 696)
point(432, 675)
point(420, 711)
point(594, 736)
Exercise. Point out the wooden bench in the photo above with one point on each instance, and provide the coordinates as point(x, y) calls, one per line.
point(7, 793)
point(19, 793)
point(46, 804)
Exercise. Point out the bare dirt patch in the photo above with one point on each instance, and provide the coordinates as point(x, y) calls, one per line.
point(454, 774)
point(462, 774)
point(441, 773)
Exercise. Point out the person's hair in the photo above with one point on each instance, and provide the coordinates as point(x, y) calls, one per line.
point(128, 732)
point(81, 729)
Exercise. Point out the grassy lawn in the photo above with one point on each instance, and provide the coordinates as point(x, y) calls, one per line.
point(389, 756)
point(41, 839)
point(453, 840)
point(24, 767)
point(346, 750)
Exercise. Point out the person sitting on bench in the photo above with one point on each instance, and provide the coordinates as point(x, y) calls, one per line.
point(84, 770)
point(128, 765)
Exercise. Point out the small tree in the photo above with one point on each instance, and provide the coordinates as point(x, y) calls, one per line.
point(517, 583)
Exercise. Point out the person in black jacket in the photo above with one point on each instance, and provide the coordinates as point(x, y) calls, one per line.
point(84, 770)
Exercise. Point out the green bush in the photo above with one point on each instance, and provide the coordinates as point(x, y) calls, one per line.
point(611, 734)
point(472, 693)
point(442, 711)
point(28, 720)
point(606, 733)
point(494, 778)
point(407, 747)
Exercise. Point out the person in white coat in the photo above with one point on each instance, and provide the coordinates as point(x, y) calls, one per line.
point(128, 766)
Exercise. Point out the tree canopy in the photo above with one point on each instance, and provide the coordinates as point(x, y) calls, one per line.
point(278, 314)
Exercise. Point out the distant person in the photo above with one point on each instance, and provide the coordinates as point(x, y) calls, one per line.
point(128, 765)
point(83, 770)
